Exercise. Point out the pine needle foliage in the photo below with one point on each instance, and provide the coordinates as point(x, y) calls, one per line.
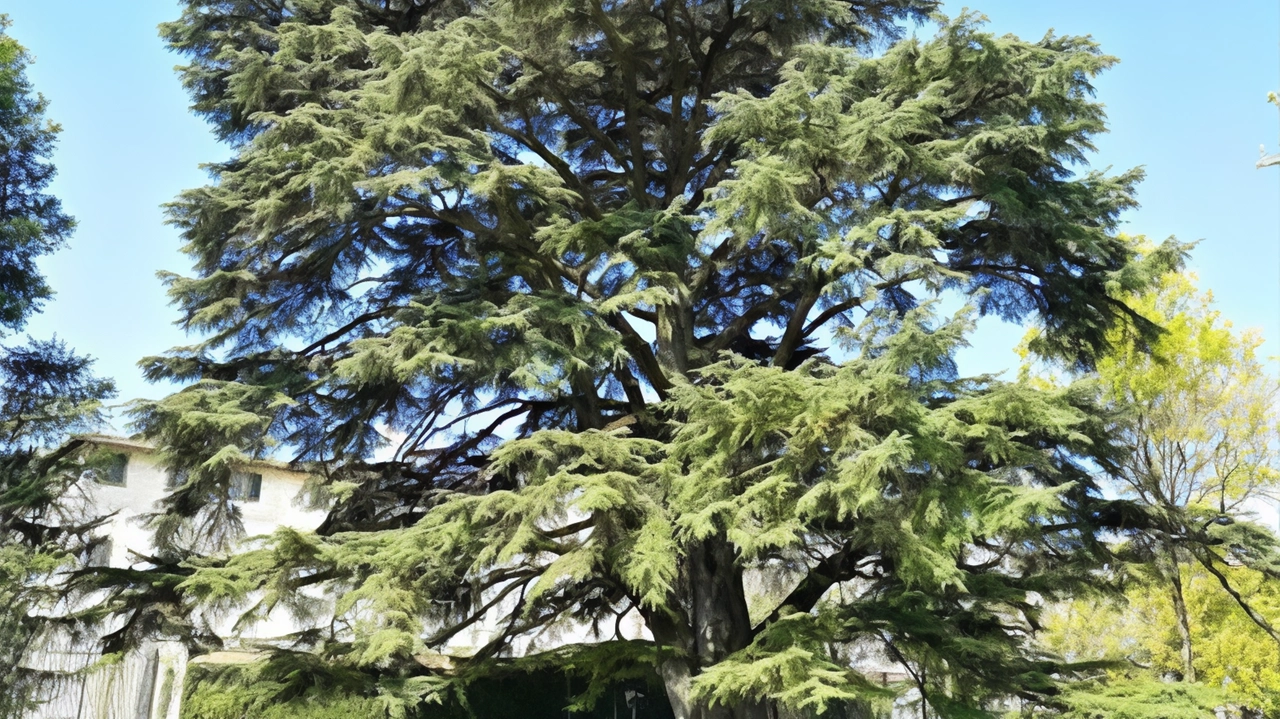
point(583, 311)
point(32, 223)
point(301, 686)
point(290, 687)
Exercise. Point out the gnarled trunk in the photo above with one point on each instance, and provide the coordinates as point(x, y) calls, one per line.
point(718, 625)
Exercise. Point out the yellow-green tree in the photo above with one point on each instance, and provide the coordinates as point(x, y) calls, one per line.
point(1202, 434)
point(1137, 636)
point(1201, 428)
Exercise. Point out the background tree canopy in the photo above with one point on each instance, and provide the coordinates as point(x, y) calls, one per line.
point(1200, 439)
point(585, 310)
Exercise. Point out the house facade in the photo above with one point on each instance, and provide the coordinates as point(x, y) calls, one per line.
point(147, 682)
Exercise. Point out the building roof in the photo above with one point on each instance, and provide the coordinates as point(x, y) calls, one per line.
point(145, 446)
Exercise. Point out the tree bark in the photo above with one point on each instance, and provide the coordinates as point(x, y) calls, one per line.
point(716, 621)
point(674, 334)
point(717, 625)
point(1183, 617)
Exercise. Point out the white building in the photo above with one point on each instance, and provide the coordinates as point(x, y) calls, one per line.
point(147, 684)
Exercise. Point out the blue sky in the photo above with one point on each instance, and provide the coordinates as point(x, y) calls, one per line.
point(1186, 102)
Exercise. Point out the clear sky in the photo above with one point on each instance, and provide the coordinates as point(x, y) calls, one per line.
point(1186, 102)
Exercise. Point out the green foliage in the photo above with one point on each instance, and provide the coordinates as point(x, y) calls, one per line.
point(289, 685)
point(1137, 635)
point(46, 391)
point(32, 223)
point(585, 314)
point(239, 693)
point(1202, 430)
point(1142, 699)
point(791, 665)
point(1202, 405)
point(1231, 649)
point(45, 528)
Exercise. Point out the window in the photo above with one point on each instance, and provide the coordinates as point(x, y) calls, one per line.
point(246, 486)
point(176, 478)
point(111, 469)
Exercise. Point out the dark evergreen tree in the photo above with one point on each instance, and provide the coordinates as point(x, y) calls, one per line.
point(32, 223)
point(46, 391)
point(580, 310)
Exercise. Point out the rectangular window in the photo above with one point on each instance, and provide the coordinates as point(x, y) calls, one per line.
point(113, 470)
point(246, 486)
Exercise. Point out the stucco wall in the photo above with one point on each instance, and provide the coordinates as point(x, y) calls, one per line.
point(145, 479)
point(147, 683)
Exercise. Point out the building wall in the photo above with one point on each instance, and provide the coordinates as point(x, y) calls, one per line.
point(144, 684)
point(147, 682)
point(145, 484)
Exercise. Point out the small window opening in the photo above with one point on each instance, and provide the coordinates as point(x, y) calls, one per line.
point(246, 486)
point(100, 553)
point(113, 470)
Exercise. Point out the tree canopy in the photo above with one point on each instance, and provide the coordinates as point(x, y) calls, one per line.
point(32, 223)
point(1200, 433)
point(1203, 437)
point(581, 311)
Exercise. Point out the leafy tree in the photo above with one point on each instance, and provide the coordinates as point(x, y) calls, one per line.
point(46, 391)
point(1204, 440)
point(1137, 637)
point(1204, 432)
point(1201, 429)
point(1232, 650)
point(582, 311)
